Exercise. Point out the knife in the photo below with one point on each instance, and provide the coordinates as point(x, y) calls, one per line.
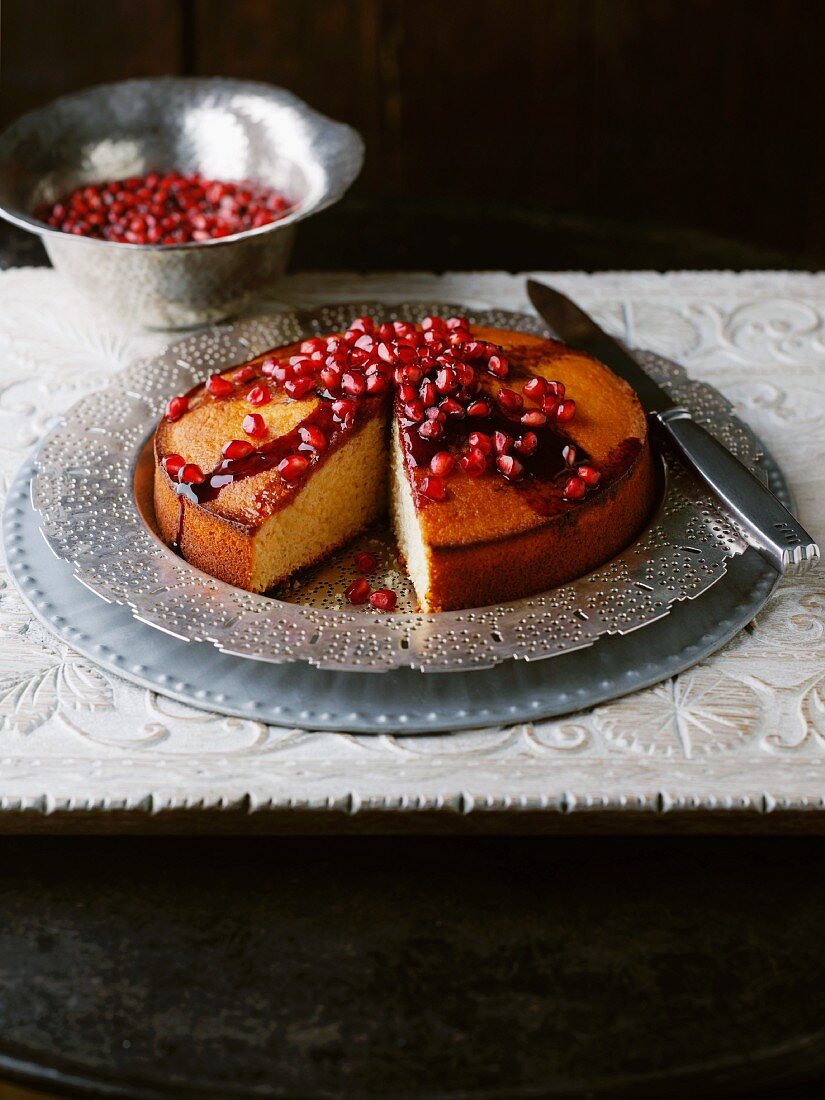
point(768, 525)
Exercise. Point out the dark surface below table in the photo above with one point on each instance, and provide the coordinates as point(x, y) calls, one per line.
point(413, 967)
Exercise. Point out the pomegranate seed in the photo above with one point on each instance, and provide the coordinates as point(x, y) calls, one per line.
point(414, 411)
point(219, 386)
point(407, 393)
point(574, 488)
point(502, 442)
point(172, 464)
point(478, 408)
point(344, 411)
point(353, 384)
point(446, 381)
point(464, 373)
point(376, 384)
point(259, 395)
point(254, 425)
point(176, 408)
point(535, 389)
point(442, 463)
point(303, 368)
point(434, 324)
point(191, 474)
point(362, 324)
point(312, 437)
point(384, 599)
point(565, 411)
point(450, 407)
point(245, 374)
point(358, 591)
point(281, 372)
point(293, 467)
point(549, 404)
point(556, 388)
point(434, 488)
point(237, 448)
point(165, 209)
point(298, 387)
point(474, 349)
point(498, 366)
point(568, 453)
point(480, 442)
point(588, 475)
point(510, 467)
point(473, 464)
point(429, 394)
point(456, 323)
point(331, 377)
point(365, 562)
point(315, 343)
point(526, 444)
point(431, 429)
point(510, 400)
point(533, 419)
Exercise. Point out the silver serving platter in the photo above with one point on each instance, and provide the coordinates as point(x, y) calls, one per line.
point(84, 488)
point(299, 697)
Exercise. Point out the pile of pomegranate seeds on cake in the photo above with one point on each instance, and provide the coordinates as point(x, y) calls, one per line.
point(165, 208)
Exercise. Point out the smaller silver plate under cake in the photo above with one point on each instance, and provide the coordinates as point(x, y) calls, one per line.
point(89, 476)
point(402, 701)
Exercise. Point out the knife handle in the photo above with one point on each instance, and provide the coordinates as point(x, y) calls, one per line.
point(770, 527)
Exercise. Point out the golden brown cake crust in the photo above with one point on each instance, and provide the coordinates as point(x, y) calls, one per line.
point(488, 542)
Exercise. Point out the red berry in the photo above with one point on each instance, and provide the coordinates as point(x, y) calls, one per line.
point(219, 386)
point(259, 395)
point(480, 442)
point(384, 599)
point(365, 562)
point(510, 467)
point(473, 464)
point(254, 425)
point(442, 463)
point(293, 467)
point(510, 400)
point(237, 448)
point(298, 387)
point(312, 438)
point(191, 474)
point(588, 475)
point(176, 408)
point(535, 389)
point(358, 591)
point(434, 488)
point(502, 442)
point(574, 488)
point(172, 464)
point(527, 444)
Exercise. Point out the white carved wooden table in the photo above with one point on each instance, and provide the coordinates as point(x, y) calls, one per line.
point(742, 731)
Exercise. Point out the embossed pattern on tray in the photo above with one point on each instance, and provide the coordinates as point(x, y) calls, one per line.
point(84, 490)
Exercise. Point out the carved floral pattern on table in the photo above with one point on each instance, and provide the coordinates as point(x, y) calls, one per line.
point(745, 727)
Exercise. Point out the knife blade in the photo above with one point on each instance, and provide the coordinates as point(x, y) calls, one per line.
point(767, 524)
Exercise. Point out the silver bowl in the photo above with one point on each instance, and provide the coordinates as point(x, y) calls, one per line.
point(225, 129)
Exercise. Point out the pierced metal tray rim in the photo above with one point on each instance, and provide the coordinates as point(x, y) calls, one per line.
point(87, 505)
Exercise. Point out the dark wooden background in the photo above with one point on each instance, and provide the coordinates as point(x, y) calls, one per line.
point(695, 115)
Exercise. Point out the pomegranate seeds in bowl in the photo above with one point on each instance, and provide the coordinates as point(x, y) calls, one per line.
point(165, 209)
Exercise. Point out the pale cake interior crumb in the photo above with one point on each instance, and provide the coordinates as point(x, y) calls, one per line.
point(345, 493)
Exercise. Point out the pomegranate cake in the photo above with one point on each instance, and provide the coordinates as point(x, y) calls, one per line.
point(510, 463)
